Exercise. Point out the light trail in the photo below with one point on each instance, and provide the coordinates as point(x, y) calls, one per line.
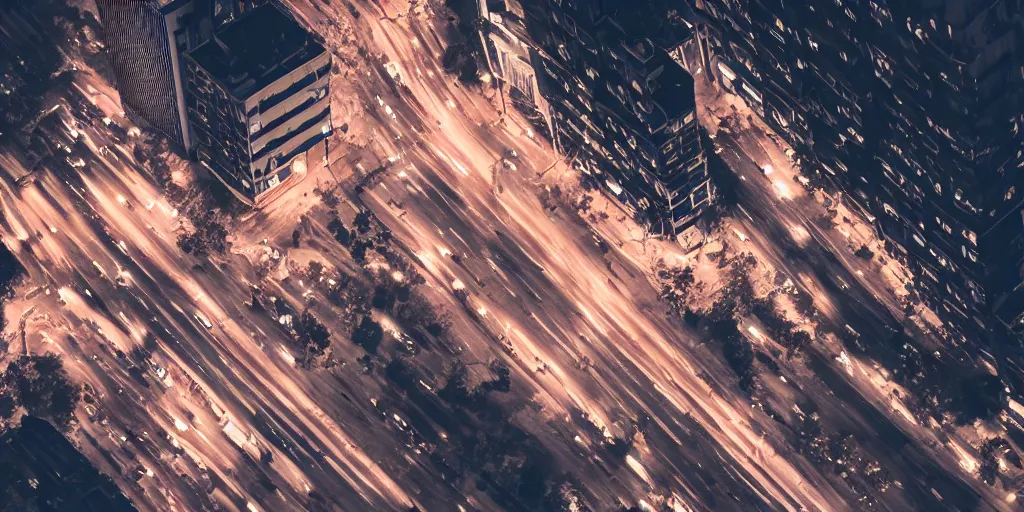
point(269, 432)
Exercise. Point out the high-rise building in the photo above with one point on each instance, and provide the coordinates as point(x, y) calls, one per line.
point(144, 37)
point(258, 100)
point(911, 107)
point(618, 106)
point(146, 40)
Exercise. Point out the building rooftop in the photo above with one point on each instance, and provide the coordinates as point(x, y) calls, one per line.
point(669, 88)
point(672, 87)
point(257, 49)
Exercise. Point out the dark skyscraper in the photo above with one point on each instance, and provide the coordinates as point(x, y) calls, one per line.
point(618, 106)
point(911, 107)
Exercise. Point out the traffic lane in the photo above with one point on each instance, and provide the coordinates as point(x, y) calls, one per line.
point(750, 143)
point(206, 361)
point(554, 308)
point(612, 375)
point(773, 218)
point(921, 471)
point(876, 430)
point(105, 230)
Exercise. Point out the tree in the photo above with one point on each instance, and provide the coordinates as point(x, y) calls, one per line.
point(980, 397)
point(368, 335)
point(210, 236)
point(339, 231)
point(993, 450)
point(362, 222)
point(798, 342)
point(358, 249)
point(43, 388)
point(384, 298)
point(296, 238)
point(502, 377)
point(459, 59)
point(737, 351)
point(675, 287)
point(456, 389)
point(311, 334)
point(563, 494)
point(8, 399)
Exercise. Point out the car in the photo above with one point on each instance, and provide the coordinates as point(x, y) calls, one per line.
point(202, 318)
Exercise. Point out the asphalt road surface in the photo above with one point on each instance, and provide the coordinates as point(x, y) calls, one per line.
point(221, 414)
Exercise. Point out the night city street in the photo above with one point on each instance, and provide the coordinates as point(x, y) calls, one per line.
point(403, 255)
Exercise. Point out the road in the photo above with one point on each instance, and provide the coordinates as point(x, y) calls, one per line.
point(241, 426)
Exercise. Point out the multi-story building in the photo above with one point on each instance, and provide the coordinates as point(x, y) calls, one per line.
point(143, 39)
point(914, 109)
point(511, 56)
point(146, 40)
point(617, 105)
point(258, 99)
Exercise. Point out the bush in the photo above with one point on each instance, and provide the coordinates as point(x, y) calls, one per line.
point(864, 253)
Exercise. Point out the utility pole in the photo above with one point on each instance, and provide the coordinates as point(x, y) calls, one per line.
point(501, 92)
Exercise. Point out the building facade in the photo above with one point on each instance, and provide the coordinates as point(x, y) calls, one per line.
point(618, 106)
point(258, 100)
point(143, 39)
point(913, 109)
point(147, 40)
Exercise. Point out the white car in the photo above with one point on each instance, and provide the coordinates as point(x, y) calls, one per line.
point(201, 318)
